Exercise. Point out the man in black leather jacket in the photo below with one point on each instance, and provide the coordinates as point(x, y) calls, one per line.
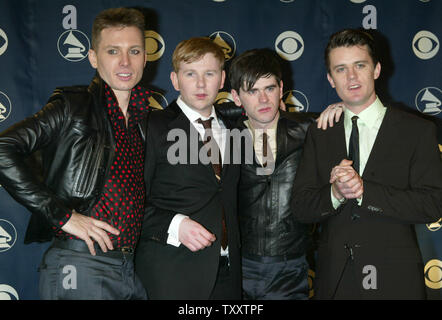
point(90, 206)
point(273, 244)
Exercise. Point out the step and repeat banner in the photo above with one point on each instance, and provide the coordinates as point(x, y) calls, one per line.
point(45, 43)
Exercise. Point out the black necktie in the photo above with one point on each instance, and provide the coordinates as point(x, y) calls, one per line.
point(207, 124)
point(353, 154)
point(353, 148)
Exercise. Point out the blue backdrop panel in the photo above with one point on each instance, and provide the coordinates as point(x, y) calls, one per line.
point(45, 43)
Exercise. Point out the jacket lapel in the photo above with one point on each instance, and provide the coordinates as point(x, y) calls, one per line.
point(336, 146)
point(281, 140)
point(385, 137)
point(229, 144)
point(194, 141)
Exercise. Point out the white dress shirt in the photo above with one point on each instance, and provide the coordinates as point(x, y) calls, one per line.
point(219, 134)
point(369, 122)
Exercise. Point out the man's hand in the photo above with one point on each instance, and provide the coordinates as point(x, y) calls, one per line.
point(330, 115)
point(86, 228)
point(346, 182)
point(194, 236)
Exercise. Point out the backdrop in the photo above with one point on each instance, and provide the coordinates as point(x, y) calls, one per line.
point(44, 44)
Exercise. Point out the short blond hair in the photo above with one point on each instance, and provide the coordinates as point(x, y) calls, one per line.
point(193, 49)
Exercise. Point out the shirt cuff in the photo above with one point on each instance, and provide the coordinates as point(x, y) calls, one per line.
point(61, 223)
point(335, 202)
point(173, 238)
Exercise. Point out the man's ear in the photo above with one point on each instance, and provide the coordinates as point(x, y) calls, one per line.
point(93, 58)
point(281, 85)
point(223, 78)
point(174, 80)
point(236, 98)
point(330, 80)
point(377, 70)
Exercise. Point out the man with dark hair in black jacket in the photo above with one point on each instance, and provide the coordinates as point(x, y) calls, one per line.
point(273, 244)
point(91, 199)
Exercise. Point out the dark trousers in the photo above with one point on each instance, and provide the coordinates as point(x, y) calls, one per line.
point(270, 279)
point(225, 288)
point(73, 275)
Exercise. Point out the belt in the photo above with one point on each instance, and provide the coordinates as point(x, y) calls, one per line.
point(81, 246)
point(272, 259)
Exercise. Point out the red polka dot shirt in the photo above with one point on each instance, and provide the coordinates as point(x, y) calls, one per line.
point(121, 203)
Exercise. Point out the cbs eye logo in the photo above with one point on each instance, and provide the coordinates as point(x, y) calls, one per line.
point(155, 45)
point(425, 45)
point(8, 293)
point(433, 274)
point(3, 42)
point(289, 45)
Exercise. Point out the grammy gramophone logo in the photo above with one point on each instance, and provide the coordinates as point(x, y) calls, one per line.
point(295, 101)
point(226, 42)
point(73, 45)
point(157, 100)
point(428, 100)
point(5, 106)
point(8, 235)
point(223, 97)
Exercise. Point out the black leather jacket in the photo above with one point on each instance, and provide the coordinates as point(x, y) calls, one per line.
point(74, 137)
point(268, 227)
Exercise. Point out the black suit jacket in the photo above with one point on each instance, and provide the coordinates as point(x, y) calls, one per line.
point(402, 186)
point(190, 188)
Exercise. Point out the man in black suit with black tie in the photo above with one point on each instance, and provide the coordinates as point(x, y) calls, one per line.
point(189, 248)
point(369, 197)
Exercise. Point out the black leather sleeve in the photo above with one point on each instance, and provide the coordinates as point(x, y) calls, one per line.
point(17, 144)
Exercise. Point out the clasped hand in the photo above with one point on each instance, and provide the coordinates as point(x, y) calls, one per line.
point(346, 182)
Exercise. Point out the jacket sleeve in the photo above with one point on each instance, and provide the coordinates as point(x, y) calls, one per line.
point(156, 220)
point(36, 133)
point(421, 202)
point(311, 199)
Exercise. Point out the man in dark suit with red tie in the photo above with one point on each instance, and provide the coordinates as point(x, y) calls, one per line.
point(189, 248)
point(368, 180)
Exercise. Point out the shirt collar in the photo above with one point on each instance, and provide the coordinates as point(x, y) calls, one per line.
point(368, 116)
point(138, 102)
point(271, 130)
point(191, 114)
